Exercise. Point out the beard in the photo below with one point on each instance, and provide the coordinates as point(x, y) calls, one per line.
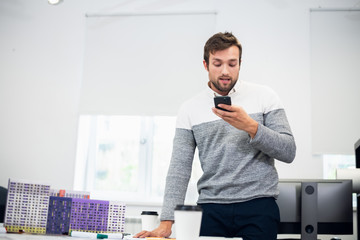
point(223, 89)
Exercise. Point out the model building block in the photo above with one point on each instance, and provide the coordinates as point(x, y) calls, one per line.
point(58, 220)
point(26, 207)
point(69, 194)
point(116, 219)
point(89, 215)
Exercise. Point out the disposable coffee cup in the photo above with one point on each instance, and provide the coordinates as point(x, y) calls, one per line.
point(187, 222)
point(149, 220)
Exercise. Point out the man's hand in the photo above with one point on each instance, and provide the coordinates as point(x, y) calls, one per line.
point(164, 230)
point(238, 118)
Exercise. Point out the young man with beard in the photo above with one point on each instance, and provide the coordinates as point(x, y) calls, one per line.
point(236, 147)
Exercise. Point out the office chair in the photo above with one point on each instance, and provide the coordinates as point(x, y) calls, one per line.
point(3, 197)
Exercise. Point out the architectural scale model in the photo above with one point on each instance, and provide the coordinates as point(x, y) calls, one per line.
point(26, 207)
point(69, 194)
point(33, 207)
point(58, 218)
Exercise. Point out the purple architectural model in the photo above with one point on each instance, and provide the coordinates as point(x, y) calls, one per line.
point(89, 215)
point(30, 208)
point(97, 216)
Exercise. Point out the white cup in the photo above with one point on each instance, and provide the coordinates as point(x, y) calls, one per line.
point(149, 220)
point(187, 222)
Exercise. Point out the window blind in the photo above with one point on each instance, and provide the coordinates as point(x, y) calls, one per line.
point(335, 80)
point(143, 64)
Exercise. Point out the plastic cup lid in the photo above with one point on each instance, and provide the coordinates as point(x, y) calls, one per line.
point(149, 213)
point(188, 208)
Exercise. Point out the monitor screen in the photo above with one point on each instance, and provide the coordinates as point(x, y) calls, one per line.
point(334, 206)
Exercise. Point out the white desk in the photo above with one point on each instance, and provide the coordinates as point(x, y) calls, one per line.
point(24, 236)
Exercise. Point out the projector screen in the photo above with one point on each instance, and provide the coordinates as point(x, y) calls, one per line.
point(143, 64)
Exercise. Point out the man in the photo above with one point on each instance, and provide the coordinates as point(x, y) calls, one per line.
point(237, 149)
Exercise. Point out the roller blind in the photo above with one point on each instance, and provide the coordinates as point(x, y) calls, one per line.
point(143, 64)
point(335, 80)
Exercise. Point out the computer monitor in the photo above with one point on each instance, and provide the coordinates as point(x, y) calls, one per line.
point(357, 164)
point(334, 213)
point(357, 153)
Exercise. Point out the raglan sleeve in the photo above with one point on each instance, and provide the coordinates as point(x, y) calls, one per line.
point(274, 137)
point(179, 171)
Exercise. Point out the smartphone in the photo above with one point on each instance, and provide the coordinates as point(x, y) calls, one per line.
point(223, 100)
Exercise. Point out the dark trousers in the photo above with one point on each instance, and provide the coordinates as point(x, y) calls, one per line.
point(256, 219)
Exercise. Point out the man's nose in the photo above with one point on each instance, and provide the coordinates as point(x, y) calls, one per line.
point(225, 70)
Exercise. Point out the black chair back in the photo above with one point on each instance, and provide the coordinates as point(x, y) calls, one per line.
point(3, 196)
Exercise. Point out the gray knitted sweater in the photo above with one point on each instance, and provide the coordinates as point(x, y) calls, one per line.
point(235, 167)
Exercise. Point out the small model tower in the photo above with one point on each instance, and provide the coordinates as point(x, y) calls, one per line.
point(26, 207)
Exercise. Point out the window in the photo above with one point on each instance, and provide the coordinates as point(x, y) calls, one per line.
point(127, 157)
point(332, 162)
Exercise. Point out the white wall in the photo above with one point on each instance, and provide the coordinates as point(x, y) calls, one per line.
point(41, 60)
point(41, 57)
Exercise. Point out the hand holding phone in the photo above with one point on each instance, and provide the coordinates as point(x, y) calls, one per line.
point(222, 100)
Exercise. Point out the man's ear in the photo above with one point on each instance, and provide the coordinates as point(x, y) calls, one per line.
point(205, 65)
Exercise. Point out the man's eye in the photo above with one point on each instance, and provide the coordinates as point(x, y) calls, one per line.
point(217, 64)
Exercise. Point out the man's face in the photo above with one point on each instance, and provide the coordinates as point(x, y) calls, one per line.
point(223, 69)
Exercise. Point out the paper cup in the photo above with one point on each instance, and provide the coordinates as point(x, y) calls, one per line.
point(149, 220)
point(187, 222)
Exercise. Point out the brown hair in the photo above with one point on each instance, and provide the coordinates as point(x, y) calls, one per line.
point(220, 41)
